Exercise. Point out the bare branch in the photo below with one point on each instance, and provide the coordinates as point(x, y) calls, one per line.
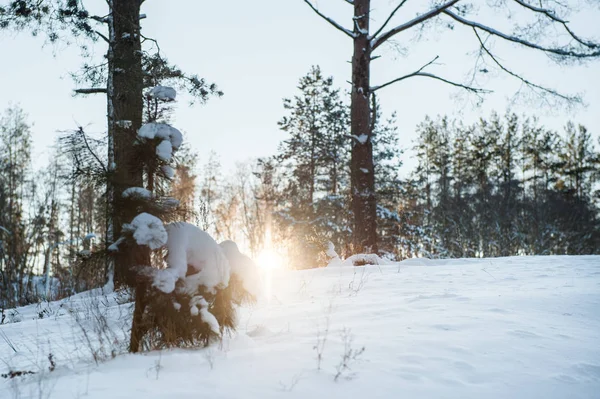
point(103, 37)
point(569, 99)
point(93, 90)
point(372, 89)
point(349, 2)
point(377, 41)
point(331, 21)
point(389, 18)
point(551, 14)
point(96, 18)
point(87, 145)
point(565, 52)
point(419, 72)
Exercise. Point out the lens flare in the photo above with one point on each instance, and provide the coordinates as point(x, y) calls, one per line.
point(269, 259)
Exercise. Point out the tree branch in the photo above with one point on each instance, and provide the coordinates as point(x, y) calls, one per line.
point(569, 99)
point(377, 41)
point(419, 72)
point(389, 18)
point(96, 18)
point(93, 90)
point(565, 52)
point(372, 89)
point(550, 14)
point(331, 21)
point(103, 37)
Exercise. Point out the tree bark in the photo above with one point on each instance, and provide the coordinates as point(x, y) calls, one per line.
point(125, 109)
point(361, 166)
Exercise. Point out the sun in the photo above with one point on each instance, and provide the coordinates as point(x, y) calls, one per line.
point(269, 259)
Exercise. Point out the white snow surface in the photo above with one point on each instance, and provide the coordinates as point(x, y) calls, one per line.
point(518, 327)
point(359, 259)
point(164, 93)
point(189, 246)
point(147, 230)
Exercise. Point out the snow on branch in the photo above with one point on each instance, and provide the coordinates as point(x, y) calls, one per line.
point(569, 99)
point(377, 41)
point(552, 15)
point(147, 230)
point(331, 21)
point(137, 192)
point(162, 93)
point(565, 51)
point(419, 72)
point(349, 1)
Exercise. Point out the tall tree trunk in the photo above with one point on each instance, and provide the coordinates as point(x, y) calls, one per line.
point(124, 119)
point(361, 166)
point(125, 110)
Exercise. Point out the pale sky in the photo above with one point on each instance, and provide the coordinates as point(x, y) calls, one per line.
point(257, 51)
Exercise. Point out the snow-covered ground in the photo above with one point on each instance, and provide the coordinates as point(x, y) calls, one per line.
point(520, 327)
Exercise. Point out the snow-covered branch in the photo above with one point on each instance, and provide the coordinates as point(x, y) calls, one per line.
point(552, 15)
point(331, 21)
point(349, 2)
point(377, 41)
point(565, 52)
point(545, 90)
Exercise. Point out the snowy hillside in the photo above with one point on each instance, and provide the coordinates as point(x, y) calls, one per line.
point(491, 328)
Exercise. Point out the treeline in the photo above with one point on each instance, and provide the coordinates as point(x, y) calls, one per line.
point(502, 186)
point(54, 217)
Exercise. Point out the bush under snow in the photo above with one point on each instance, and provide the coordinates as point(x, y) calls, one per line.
point(189, 246)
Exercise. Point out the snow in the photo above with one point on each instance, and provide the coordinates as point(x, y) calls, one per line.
point(161, 131)
point(164, 150)
point(139, 192)
point(163, 93)
point(331, 251)
point(518, 327)
point(168, 171)
point(360, 259)
point(189, 246)
point(362, 139)
point(244, 267)
point(125, 124)
point(147, 230)
point(199, 305)
point(114, 247)
point(89, 236)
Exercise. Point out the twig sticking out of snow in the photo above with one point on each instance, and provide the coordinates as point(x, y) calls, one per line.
point(348, 356)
